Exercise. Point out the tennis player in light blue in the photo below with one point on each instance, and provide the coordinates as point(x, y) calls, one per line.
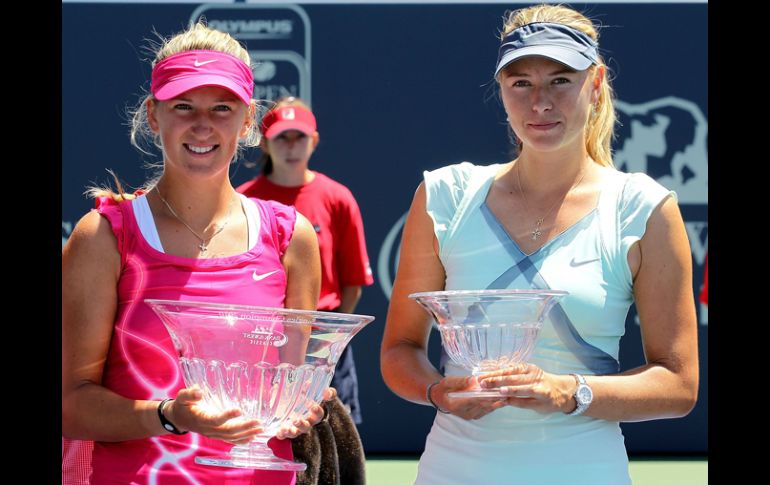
point(559, 216)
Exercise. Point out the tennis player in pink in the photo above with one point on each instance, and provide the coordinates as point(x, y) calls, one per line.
point(186, 236)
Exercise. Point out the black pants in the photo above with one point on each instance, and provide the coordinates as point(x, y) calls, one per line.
point(345, 380)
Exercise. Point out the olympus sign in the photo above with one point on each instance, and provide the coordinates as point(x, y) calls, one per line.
point(255, 29)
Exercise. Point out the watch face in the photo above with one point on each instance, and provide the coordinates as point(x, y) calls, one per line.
point(584, 394)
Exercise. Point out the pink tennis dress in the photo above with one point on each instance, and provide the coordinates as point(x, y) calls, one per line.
point(142, 362)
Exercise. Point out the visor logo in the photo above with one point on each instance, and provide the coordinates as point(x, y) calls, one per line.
point(288, 114)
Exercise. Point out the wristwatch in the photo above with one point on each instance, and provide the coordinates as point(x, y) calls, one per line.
point(583, 396)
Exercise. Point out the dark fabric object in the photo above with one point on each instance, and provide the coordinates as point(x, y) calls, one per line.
point(345, 380)
point(332, 450)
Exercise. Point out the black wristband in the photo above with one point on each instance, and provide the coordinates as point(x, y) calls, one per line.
point(430, 399)
point(167, 425)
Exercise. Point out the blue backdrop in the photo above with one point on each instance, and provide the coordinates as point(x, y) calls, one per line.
point(397, 89)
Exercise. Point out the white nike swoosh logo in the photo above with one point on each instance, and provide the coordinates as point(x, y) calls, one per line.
point(199, 64)
point(259, 277)
point(574, 263)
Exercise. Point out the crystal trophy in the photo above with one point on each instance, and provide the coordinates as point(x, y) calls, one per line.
point(488, 330)
point(271, 363)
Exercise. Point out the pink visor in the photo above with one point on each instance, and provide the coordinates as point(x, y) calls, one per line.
point(285, 118)
point(188, 70)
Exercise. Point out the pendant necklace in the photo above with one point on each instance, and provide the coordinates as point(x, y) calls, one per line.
point(203, 246)
point(537, 231)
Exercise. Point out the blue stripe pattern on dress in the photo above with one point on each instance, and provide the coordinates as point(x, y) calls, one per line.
point(593, 358)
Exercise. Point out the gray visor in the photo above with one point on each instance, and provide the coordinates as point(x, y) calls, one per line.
point(557, 42)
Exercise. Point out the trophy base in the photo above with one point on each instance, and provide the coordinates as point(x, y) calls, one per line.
point(255, 462)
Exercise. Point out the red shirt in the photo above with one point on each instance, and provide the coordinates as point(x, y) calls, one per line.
point(336, 218)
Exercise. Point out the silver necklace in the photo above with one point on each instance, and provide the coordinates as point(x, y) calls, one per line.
point(537, 231)
point(203, 246)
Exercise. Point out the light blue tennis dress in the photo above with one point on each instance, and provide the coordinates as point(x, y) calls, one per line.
point(581, 334)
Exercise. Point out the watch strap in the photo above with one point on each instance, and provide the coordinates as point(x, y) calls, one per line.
point(167, 425)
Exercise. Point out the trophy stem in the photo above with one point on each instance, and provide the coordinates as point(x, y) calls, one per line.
point(256, 454)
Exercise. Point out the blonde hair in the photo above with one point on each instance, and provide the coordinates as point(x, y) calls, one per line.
point(601, 122)
point(105, 190)
point(197, 37)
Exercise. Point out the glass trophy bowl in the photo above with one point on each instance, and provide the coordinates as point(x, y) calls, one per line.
point(271, 363)
point(487, 330)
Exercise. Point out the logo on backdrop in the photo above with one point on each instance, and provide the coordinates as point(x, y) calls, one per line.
point(265, 71)
point(665, 138)
point(263, 29)
point(278, 40)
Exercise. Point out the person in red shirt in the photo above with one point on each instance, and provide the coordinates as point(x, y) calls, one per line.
point(290, 137)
